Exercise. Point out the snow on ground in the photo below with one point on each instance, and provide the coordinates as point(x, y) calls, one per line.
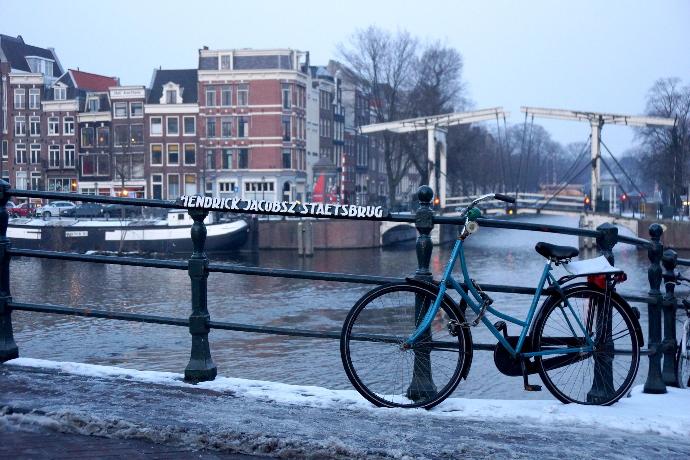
point(666, 414)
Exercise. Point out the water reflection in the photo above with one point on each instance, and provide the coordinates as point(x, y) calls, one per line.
point(494, 256)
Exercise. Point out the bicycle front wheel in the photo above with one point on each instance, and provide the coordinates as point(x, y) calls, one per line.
point(601, 376)
point(382, 370)
point(683, 357)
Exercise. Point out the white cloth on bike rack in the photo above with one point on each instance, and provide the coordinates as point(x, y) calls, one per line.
point(591, 267)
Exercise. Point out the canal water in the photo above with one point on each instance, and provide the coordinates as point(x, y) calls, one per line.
point(494, 256)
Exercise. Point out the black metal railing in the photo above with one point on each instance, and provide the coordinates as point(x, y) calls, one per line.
point(201, 366)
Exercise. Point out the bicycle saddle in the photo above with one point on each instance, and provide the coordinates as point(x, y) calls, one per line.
point(552, 251)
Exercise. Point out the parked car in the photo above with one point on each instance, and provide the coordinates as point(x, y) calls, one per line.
point(116, 211)
point(56, 208)
point(84, 210)
point(9, 205)
point(23, 210)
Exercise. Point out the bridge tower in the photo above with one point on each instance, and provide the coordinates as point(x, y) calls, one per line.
point(597, 121)
point(436, 128)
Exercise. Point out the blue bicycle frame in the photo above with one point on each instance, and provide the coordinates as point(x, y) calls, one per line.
point(476, 305)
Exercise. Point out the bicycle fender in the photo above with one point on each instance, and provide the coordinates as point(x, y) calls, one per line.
point(433, 286)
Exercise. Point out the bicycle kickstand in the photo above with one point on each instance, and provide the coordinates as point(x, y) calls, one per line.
point(525, 380)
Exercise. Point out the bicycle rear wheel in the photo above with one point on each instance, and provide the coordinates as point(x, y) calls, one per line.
point(601, 376)
point(683, 357)
point(385, 373)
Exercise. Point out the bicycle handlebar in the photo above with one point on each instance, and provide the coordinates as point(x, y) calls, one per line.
point(506, 198)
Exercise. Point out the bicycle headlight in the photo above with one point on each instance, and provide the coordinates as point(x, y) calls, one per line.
point(471, 226)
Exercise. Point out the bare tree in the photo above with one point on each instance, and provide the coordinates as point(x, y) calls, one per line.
point(384, 65)
point(667, 150)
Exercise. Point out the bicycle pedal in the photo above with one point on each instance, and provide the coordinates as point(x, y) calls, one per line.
point(529, 387)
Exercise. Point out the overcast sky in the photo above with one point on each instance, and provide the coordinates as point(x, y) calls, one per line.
point(586, 55)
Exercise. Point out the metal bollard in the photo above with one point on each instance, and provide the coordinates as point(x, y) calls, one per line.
point(201, 366)
point(8, 347)
point(422, 384)
point(655, 383)
point(669, 260)
point(603, 363)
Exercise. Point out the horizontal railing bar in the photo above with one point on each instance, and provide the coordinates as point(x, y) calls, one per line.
point(104, 314)
point(633, 240)
point(302, 274)
point(497, 223)
point(94, 198)
point(94, 258)
point(684, 262)
point(272, 272)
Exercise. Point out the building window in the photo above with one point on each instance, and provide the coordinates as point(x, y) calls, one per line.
point(286, 95)
point(189, 126)
point(103, 136)
point(243, 95)
point(226, 187)
point(242, 127)
point(170, 96)
point(136, 109)
point(35, 98)
point(35, 154)
point(68, 126)
point(21, 180)
point(226, 127)
point(5, 148)
point(190, 184)
point(60, 93)
point(156, 154)
point(19, 126)
point(19, 99)
point(173, 126)
point(173, 154)
point(121, 135)
point(286, 128)
point(61, 185)
point(210, 159)
point(226, 96)
point(173, 186)
point(120, 110)
point(287, 158)
point(190, 154)
point(87, 137)
point(156, 126)
point(226, 159)
point(157, 186)
point(35, 180)
point(137, 134)
point(210, 127)
point(95, 165)
point(69, 156)
point(53, 126)
point(20, 154)
point(93, 104)
point(54, 156)
point(35, 126)
point(225, 62)
point(210, 97)
point(243, 159)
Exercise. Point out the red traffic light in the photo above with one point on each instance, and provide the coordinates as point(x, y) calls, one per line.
point(437, 201)
point(624, 197)
point(587, 200)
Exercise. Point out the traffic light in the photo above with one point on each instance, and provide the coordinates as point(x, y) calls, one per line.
point(73, 185)
point(624, 197)
point(588, 203)
point(437, 201)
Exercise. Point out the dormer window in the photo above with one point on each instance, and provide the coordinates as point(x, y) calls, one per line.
point(60, 93)
point(40, 65)
point(172, 94)
point(92, 104)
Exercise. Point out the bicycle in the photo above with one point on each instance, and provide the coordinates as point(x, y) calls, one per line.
point(409, 344)
point(683, 351)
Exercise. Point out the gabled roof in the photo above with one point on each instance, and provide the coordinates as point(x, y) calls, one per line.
point(186, 78)
point(15, 52)
point(91, 81)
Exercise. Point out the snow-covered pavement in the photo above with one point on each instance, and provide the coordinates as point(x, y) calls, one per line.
point(257, 417)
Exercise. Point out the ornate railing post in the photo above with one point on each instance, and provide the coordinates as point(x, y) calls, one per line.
point(655, 383)
point(422, 384)
point(670, 260)
point(8, 347)
point(603, 362)
point(201, 366)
